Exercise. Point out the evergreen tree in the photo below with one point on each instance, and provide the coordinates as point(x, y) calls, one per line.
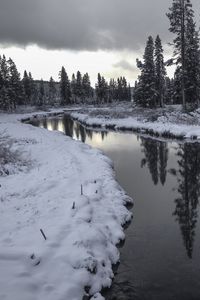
point(177, 94)
point(192, 66)
point(112, 90)
point(10, 85)
point(146, 89)
point(32, 87)
point(15, 85)
point(4, 77)
point(65, 89)
point(79, 88)
point(129, 95)
point(27, 87)
point(160, 72)
point(102, 90)
point(86, 86)
point(181, 17)
point(73, 88)
point(52, 91)
point(41, 96)
point(169, 91)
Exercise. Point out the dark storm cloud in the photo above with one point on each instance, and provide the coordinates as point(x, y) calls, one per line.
point(83, 24)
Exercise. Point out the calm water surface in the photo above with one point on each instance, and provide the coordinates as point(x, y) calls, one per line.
point(160, 259)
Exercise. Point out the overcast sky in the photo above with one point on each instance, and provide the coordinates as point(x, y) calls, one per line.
point(90, 35)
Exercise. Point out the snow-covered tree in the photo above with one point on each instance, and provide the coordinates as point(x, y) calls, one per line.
point(145, 94)
point(86, 87)
point(41, 95)
point(192, 66)
point(181, 18)
point(101, 89)
point(160, 71)
point(65, 88)
point(15, 89)
point(52, 91)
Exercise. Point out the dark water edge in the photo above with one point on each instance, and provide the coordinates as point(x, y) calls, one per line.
point(160, 258)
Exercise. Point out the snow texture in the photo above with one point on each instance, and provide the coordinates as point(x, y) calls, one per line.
point(170, 122)
point(43, 192)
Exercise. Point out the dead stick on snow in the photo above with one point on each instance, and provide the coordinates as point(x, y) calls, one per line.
point(44, 236)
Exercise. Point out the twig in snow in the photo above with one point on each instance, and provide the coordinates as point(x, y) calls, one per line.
point(44, 236)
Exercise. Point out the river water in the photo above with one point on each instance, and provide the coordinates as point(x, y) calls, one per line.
point(160, 259)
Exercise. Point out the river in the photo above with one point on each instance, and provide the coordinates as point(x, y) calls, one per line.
point(160, 259)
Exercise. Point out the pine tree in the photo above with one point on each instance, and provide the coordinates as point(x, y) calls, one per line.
point(15, 85)
point(27, 87)
point(102, 91)
point(146, 89)
point(112, 90)
point(79, 87)
point(169, 91)
point(5, 92)
point(86, 86)
point(192, 66)
point(52, 91)
point(160, 72)
point(65, 88)
point(32, 87)
point(181, 17)
point(73, 88)
point(177, 93)
point(41, 96)
point(129, 94)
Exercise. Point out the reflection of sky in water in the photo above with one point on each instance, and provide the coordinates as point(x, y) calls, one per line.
point(114, 141)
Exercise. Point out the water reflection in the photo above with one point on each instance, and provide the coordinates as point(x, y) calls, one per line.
point(188, 178)
point(156, 157)
point(164, 181)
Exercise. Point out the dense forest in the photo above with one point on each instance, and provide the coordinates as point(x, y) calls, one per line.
point(153, 87)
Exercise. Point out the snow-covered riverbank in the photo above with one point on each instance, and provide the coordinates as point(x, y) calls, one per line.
point(40, 188)
point(169, 122)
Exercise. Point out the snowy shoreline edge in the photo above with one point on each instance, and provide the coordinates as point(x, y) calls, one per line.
point(156, 129)
point(94, 261)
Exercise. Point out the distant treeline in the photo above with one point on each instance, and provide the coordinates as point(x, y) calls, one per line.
point(15, 91)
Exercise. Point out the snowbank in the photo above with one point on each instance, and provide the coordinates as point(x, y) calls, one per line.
point(81, 230)
point(170, 125)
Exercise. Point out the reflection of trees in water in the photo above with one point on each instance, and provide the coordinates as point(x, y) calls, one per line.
point(188, 176)
point(156, 158)
point(73, 128)
point(163, 159)
point(54, 124)
point(68, 125)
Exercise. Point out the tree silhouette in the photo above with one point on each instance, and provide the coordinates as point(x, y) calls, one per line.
point(188, 177)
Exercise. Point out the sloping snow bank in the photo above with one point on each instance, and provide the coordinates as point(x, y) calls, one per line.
point(82, 230)
point(164, 126)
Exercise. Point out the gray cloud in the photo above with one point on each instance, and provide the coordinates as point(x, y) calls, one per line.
point(125, 65)
point(83, 24)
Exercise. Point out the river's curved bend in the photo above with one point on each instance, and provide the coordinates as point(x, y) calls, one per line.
point(160, 259)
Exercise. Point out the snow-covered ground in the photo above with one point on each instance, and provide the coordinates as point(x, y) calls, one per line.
point(168, 122)
point(40, 188)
